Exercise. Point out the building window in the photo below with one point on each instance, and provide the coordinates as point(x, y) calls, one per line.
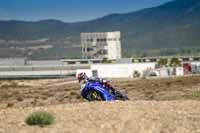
point(90, 40)
point(103, 44)
point(113, 39)
point(186, 59)
point(101, 40)
point(85, 49)
point(104, 51)
point(153, 60)
point(196, 59)
point(90, 49)
point(84, 62)
point(94, 73)
point(95, 62)
point(71, 62)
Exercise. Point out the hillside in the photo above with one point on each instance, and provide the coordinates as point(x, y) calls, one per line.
point(170, 26)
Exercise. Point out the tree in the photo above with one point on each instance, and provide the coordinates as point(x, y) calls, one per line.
point(136, 74)
point(163, 62)
point(175, 62)
point(105, 60)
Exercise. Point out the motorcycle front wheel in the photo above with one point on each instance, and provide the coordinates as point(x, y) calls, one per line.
point(94, 96)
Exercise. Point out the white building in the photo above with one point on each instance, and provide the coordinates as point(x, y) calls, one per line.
point(117, 70)
point(101, 45)
point(195, 67)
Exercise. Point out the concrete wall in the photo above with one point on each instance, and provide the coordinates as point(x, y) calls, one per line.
point(12, 61)
point(120, 70)
point(39, 71)
point(169, 71)
point(43, 68)
point(179, 71)
point(34, 74)
point(44, 62)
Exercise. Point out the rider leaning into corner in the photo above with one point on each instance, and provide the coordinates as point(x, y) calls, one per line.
point(83, 79)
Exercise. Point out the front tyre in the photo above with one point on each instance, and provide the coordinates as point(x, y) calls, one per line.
point(94, 96)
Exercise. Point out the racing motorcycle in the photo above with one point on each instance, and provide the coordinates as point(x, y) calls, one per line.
point(95, 91)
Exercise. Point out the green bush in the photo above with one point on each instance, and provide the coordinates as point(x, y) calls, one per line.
point(39, 119)
point(136, 74)
point(106, 61)
point(175, 62)
point(163, 62)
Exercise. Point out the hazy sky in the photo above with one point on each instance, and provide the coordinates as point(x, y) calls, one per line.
point(69, 10)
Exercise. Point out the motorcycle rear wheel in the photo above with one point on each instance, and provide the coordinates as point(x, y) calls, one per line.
point(120, 96)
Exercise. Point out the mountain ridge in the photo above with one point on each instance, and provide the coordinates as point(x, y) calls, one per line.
point(175, 24)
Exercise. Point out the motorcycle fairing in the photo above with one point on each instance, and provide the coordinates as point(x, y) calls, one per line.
point(96, 86)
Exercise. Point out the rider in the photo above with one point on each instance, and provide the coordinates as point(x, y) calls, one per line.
point(82, 78)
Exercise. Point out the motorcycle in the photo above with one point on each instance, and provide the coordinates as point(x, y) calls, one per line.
point(95, 91)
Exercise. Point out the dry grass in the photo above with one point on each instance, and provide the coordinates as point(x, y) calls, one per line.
point(25, 93)
point(118, 117)
point(181, 88)
point(156, 106)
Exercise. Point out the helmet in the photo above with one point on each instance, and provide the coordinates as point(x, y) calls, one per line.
point(106, 83)
point(81, 76)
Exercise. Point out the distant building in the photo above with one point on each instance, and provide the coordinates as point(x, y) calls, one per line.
point(101, 45)
point(12, 61)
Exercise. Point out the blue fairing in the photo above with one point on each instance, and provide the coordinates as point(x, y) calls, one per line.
point(96, 86)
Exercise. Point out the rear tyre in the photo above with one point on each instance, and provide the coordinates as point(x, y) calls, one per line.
point(120, 96)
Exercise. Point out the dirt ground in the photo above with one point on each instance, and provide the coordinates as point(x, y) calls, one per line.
point(26, 93)
point(115, 117)
point(156, 106)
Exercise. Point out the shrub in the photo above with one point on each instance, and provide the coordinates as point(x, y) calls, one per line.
point(105, 60)
point(163, 62)
point(175, 62)
point(136, 74)
point(39, 119)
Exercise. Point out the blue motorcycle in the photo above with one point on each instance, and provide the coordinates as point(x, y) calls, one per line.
point(95, 91)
